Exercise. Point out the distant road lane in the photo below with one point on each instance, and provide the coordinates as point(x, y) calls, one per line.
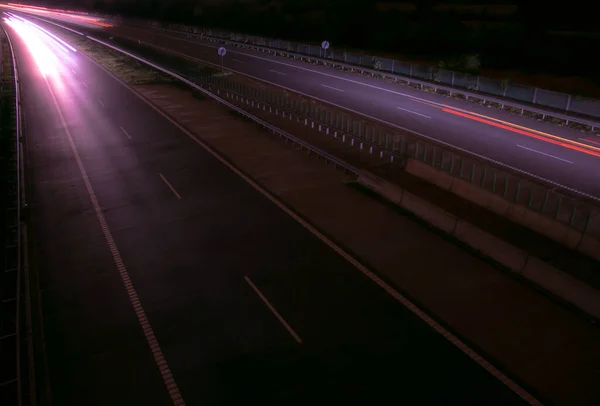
point(145, 242)
point(518, 142)
point(404, 107)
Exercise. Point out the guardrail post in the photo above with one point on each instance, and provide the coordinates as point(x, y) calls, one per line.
point(535, 93)
point(518, 191)
point(472, 173)
point(572, 216)
point(587, 221)
point(403, 145)
point(558, 207)
point(569, 97)
point(505, 185)
point(530, 197)
point(545, 201)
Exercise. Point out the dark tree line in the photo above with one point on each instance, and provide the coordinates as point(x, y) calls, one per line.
point(520, 43)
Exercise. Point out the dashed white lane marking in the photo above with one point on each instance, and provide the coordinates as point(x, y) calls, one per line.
point(125, 132)
point(277, 72)
point(157, 353)
point(273, 310)
point(332, 88)
point(173, 106)
point(85, 84)
point(72, 71)
point(543, 153)
point(413, 112)
point(492, 370)
point(238, 61)
point(100, 101)
point(170, 186)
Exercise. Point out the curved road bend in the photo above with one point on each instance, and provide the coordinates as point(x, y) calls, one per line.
point(519, 142)
point(142, 241)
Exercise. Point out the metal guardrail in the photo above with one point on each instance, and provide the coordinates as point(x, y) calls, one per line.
point(277, 131)
point(538, 101)
point(369, 135)
point(372, 138)
point(17, 265)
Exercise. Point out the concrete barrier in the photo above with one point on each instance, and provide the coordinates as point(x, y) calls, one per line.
point(508, 255)
point(556, 282)
point(590, 246)
point(429, 212)
point(382, 187)
point(481, 197)
point(590, 243)
point(545, 225)
point(564, 286)
point(540, 223)
point(429, 173)
point(419, 207)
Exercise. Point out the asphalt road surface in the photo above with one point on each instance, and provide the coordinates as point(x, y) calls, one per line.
point(165, 278)
point(535, 147)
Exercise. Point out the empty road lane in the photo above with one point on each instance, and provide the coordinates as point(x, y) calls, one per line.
point(165, 278)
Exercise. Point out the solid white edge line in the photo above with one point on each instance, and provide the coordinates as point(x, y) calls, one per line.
point(100, 101)
point(516, 388)
point(148, 331)
point(274, 311)
point(333, 88)
point(413, 112)
point(276, 71)
point(543, 153)
point(125, 132)
point(169, 185)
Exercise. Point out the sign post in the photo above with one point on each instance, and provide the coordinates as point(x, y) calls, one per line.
point(325, 46)
point(222, 51)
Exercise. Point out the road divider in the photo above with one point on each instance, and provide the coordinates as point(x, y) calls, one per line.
point(559, 283)
point(424, 160)
point(472, 92)
point(552, 210)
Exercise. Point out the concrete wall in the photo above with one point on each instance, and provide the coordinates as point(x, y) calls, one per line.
point(587, 243)
point(557, 282)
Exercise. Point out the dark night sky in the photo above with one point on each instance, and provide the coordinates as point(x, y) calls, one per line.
point(536, 35)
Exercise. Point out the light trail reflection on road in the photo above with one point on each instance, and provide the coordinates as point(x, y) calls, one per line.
point(45, 58)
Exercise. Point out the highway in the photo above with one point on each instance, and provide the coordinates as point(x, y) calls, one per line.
point(164, 278)
point(561, 155)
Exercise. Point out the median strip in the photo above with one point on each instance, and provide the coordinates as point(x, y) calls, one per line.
point(313, 124)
